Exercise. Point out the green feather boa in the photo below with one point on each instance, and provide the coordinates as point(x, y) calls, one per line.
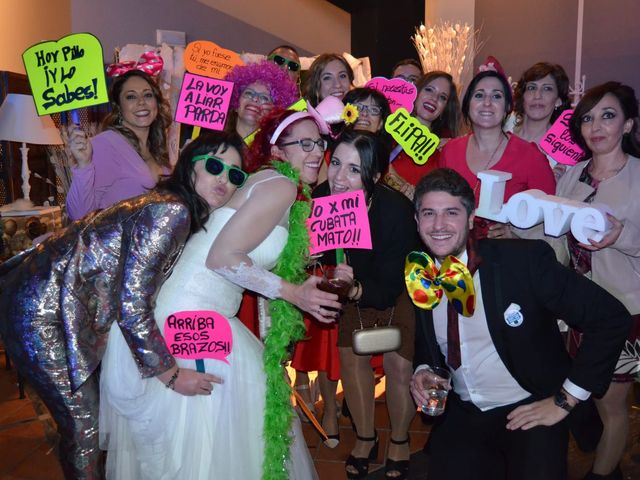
point(286, 327)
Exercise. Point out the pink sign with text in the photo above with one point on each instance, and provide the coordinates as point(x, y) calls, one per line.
point(198, 334)
point(203, 101)
point(339, 221)
point(557, 141)
point(399, 93)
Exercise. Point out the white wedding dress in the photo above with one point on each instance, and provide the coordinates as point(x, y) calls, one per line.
point(154, 433)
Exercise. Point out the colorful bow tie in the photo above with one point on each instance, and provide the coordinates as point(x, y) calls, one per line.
point(426, 284)
point(149, 62)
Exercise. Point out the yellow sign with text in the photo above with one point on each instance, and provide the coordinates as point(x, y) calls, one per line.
point(66, 74)
point(414, 138)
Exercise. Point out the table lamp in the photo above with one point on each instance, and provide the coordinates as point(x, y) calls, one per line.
point(19, 122)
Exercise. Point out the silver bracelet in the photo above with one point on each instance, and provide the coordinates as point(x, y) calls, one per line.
point(172, 381)
point(358, 286)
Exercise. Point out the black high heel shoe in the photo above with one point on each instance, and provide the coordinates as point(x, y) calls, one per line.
point(332, 441)
point(400, 466)
point(616, 474)
point(361, 464)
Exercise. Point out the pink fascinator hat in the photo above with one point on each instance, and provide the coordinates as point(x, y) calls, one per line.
point(327, 112)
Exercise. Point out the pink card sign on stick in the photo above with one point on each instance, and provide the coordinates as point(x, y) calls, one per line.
point(339, 221)
point(198, 334)
point(398, 92)
point(557, 141)
point(203, 101)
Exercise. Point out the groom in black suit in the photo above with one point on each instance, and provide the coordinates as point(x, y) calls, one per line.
point(513, 381)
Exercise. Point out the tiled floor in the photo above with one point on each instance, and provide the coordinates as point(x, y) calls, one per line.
point(27, 441)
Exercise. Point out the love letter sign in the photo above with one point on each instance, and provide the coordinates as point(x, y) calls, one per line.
point(526, 209)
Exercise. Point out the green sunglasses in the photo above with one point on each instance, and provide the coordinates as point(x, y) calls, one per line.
point(280, 60)
point(216, 166)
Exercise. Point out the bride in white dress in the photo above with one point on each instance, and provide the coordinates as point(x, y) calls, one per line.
point(150, 431)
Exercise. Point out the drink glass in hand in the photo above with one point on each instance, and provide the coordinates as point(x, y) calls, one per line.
point(333, 282)
point(436, 392)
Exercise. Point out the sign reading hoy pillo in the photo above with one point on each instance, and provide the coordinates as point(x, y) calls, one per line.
point(66, 74)
point(526, 209)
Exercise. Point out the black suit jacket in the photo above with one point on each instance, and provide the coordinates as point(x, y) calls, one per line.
point(525, 272)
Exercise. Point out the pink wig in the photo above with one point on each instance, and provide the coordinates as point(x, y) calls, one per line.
point(283, 91)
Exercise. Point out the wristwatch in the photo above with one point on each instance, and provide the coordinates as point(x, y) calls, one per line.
point(560, 400)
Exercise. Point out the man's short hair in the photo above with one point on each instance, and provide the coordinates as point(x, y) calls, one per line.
point(445, 180)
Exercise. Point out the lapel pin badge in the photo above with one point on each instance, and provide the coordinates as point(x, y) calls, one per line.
point(512, 315)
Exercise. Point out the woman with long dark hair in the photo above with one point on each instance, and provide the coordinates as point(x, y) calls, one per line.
point(605, 125)
point(129, 156)
point(62, 297)
point(436, 107)
point(377, 297)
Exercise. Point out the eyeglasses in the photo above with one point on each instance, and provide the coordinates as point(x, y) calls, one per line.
point(370, 109)
point(307, 144)
point(279, 60)
point(216, 166)
point(259, 98)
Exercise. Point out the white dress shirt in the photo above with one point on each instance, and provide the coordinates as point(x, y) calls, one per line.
point(482, 377)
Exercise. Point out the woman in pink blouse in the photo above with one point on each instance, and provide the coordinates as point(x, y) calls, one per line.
point(129, 156)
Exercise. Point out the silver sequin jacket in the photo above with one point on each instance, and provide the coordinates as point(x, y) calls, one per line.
point(106, 267)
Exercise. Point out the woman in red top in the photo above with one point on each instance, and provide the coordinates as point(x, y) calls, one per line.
point(485, 106)
point(438, 108)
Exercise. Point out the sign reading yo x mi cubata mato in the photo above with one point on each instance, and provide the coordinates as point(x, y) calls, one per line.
point(339, 221)
point(66, 74)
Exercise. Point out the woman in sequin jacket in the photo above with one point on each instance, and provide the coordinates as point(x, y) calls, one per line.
point(61, 297)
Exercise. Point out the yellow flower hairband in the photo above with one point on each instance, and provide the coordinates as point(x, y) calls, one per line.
point(349, 114)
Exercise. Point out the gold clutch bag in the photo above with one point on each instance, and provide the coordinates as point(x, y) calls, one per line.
point(372, 340)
